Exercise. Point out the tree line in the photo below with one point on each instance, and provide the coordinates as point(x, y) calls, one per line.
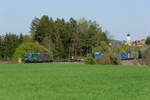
point(8, 44)
point(63, 39)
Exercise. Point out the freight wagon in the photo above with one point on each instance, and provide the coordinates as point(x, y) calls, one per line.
point(123, 56)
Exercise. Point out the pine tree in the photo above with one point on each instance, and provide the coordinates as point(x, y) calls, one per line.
point(34, 25)
point(42, 29)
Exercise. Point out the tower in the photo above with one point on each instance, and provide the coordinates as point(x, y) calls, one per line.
point(129, 39)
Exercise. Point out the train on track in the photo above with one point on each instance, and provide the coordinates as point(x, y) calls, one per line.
point(123, 56)
point(44, 57)
point(31, 57)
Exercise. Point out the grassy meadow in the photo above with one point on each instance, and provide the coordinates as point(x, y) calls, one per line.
point(73, 82)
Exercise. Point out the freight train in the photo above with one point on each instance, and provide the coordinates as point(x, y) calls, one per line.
point(123, 56)
point(31, 57)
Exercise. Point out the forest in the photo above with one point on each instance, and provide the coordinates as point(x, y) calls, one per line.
point(62, 39)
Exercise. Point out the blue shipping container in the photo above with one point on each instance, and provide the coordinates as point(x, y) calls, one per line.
point(98, 54)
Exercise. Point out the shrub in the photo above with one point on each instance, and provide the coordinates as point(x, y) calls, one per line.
point(90, 61)
point(104, 59)
point(115, 60)
point(108, 59)
point(27, 47)
point(146, 57)
point(148, 41)
point(139, 54)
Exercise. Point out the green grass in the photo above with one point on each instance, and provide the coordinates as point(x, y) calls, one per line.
point(73, 82)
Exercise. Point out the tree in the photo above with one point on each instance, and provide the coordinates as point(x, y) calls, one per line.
point(10, 43)
point(48, 44)
point(102, 48)
point(21, 38)
point(139, 54)
point(27, 38)
point(69, 38)
point(34, 25)
point(1, 47)
point(43, 29)
point(148, 41)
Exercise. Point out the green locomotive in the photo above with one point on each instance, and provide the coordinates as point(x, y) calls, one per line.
point(36, 57)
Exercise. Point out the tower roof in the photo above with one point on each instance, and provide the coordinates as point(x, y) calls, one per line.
point(128, 35)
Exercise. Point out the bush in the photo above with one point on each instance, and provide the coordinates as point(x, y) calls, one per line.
point(139, 54)
point(115, 60)
point(146, 57)
point(148, 41)
point(108, 59)
point(90, 61)
point(27, 47)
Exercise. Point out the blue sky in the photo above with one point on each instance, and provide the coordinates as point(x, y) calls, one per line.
point(119, 17)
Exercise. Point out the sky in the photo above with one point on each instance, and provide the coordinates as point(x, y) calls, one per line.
point(118, 17)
